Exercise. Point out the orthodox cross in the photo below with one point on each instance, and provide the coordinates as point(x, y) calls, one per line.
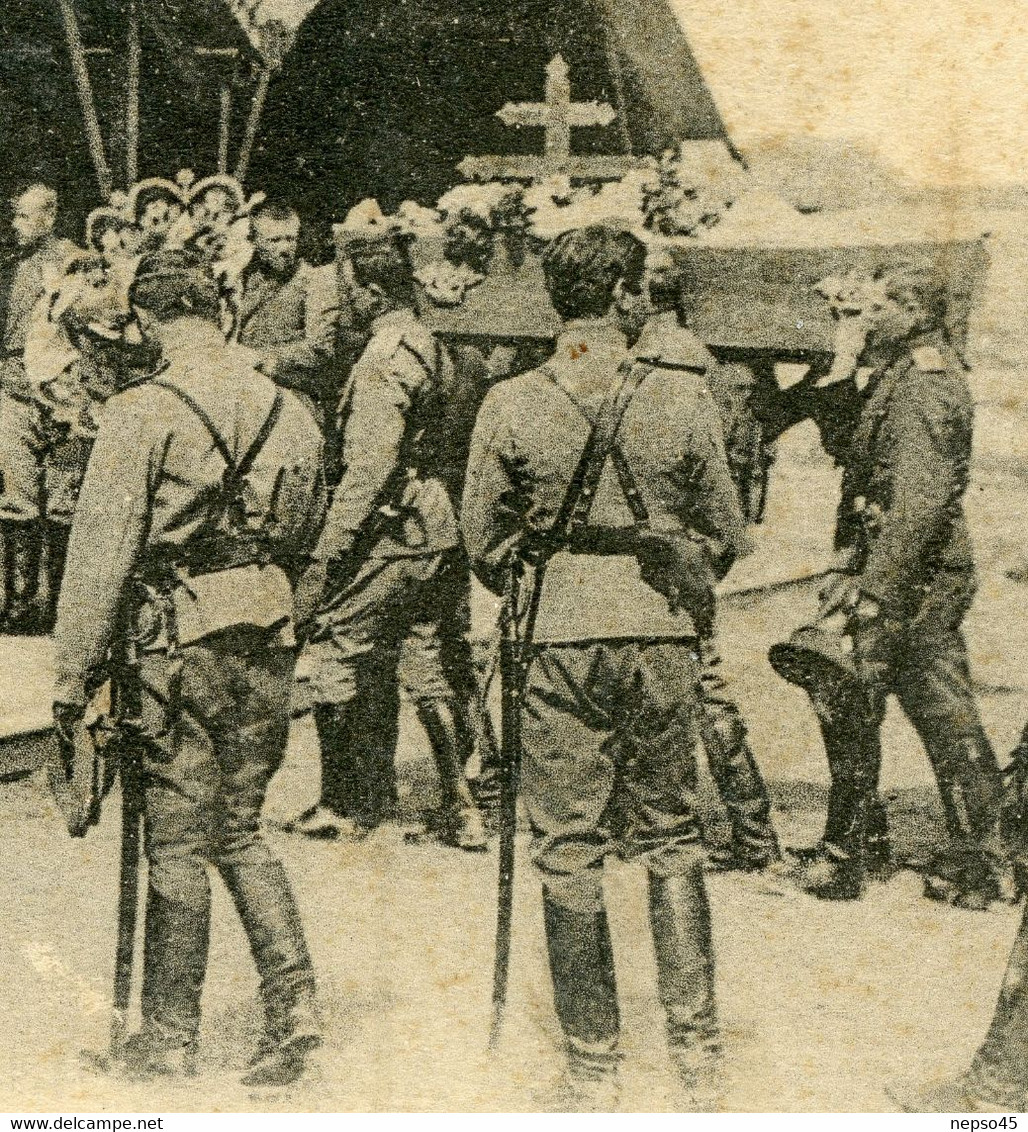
point(558, 116)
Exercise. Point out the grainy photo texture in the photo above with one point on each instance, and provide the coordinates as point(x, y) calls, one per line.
point(513, 579)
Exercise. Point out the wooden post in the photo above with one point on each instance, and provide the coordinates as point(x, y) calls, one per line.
point(134, 63)
point(84, 90)
point(253, 122)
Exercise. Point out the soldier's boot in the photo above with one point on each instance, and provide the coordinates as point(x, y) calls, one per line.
point(680, 922)
point(971, 871)
point(56, 553)
point(331, 817)
point(175, 946)
point(264, 900)
point(465, 827)
point(837, 869)
point(743, 793)
point(581, 960)
point(878, 844)
point(22, 560)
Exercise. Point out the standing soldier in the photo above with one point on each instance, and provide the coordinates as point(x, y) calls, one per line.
point(388, 562)
point(669, 345)
point(287, 311)
point(23, 440)
point(203, 496)
point(908, 581)
point(610, 695)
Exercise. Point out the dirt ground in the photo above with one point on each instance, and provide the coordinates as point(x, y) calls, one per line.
point(822, 1004)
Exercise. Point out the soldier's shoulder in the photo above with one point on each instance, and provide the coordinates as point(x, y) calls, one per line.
point(675, 348)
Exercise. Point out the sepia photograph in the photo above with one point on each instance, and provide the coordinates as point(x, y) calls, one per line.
point(513, 593)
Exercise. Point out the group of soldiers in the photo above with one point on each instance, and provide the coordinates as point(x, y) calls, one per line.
point(316, 469)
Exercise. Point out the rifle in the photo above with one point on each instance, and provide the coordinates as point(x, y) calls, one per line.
point(126, 708)
point(517, 634)
point(514, 660)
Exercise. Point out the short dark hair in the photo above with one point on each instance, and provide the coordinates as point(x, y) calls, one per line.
point(172, 284)
point(921, 286)
point(384, 262)
point(583, 267)
point(275, 210)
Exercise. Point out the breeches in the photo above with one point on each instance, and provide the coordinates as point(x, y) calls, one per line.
point(609, 734)
point(218, 730)
point(42, 471)
point(388, 602)
point(929, 673)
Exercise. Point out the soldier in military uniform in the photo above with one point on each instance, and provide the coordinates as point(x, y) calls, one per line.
point(608, 723)
point(203, 496)
point(23, 435)
point(908, 581)
point(667, 344)
point(287, 311)
point(388, 563)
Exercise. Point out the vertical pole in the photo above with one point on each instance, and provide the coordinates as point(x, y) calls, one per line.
point(84, 90)
point(134, 63)
point(253, 122)
point(224, 125)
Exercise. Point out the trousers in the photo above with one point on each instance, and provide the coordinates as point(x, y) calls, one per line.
point(929, 673)
point(42, 467)
point(609, 732)
point(391, 608)
point(215, 718)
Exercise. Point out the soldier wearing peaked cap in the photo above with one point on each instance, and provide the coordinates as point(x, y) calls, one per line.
point(667, 344)
point(907, 582)
point(635, 455)
point(203, 497)
point(388, 562)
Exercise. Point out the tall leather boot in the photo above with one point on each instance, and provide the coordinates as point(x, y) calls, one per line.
point(740, 785)
point(680, 922)
point(56, 553)
point(466, 829)
point(585, 998)
point(22, 559)
point(998, 1070)
point(741, 788)
point(971, 872)
point(175, 946)
point(264, 900)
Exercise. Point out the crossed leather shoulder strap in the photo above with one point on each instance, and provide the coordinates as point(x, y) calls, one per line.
point(601, 444)
point(242, 466)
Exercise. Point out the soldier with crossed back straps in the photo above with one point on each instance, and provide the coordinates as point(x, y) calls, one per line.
point(609, 728)
point(202, 500)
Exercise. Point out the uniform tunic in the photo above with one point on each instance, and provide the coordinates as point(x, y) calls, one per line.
point(901, 516)
point(608, 728)
point(215, 710)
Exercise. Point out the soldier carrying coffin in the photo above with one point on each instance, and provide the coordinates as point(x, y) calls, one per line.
point(890, 617)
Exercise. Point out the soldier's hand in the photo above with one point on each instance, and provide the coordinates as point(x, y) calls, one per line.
point(834, 594)
point(66, 719)
point(678, 567)
point(873, 635)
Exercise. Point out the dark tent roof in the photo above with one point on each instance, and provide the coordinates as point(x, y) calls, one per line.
point(385, 100)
